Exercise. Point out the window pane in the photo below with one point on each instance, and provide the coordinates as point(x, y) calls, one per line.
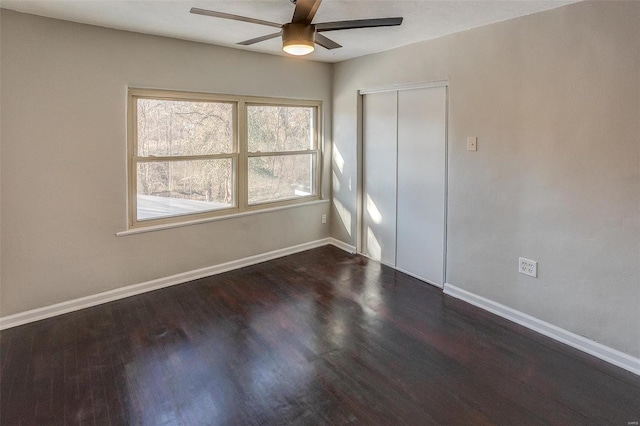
point(172, 188)
point(280, 128)
point(173, 128)
point(280, 177)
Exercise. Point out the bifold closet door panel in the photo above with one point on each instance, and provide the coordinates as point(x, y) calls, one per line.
point(379, 176)
point(421, 183)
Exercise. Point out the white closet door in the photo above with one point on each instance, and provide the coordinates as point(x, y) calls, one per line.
point(421, 184)
point(379, 176)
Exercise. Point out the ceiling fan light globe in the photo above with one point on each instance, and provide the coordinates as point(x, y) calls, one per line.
point(298, 49)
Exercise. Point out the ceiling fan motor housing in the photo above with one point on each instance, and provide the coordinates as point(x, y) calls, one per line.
point(298, 34)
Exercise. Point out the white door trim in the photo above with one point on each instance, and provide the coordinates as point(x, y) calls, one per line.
point(405, 86)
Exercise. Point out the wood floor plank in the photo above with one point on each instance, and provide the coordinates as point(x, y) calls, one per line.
point(320, 337)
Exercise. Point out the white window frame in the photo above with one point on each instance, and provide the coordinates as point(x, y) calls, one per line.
point(240, 156)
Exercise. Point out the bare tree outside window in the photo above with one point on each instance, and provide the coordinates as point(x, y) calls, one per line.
point(189, 156)
point(168, 129)
point(285, 130)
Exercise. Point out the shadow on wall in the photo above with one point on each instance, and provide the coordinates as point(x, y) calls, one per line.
point(342, 188)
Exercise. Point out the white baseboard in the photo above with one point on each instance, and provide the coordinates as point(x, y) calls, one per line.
point(589, 346)
point(342, 245)
point(131, 290)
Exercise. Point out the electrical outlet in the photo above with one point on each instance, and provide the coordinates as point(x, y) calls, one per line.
point(528, 267)
point(324, 218)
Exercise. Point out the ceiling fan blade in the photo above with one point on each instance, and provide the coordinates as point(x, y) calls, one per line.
point(305, 11)
point(233, 17)
point(358, 23)
point(325, 42)
point(259, 39)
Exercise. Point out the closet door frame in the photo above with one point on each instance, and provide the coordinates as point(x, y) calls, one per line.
point(360, 157)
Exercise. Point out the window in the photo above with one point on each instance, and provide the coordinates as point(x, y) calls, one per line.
point(193, 155)
point(281, 152)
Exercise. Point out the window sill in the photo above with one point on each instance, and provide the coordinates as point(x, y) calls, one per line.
point(153, 228)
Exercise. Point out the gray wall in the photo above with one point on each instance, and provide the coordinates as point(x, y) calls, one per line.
point(554, 99)
point(63, 164)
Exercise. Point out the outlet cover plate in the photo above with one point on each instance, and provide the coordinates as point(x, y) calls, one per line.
point(528, 267)
point(472, 143)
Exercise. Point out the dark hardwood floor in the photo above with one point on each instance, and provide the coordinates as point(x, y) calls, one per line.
point(320, 337)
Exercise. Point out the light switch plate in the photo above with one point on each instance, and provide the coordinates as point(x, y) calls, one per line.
point(472, 143)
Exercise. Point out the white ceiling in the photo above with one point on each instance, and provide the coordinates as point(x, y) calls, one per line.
point(423, 19)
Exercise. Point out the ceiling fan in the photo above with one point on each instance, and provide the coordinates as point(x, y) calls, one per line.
point(300, 35)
